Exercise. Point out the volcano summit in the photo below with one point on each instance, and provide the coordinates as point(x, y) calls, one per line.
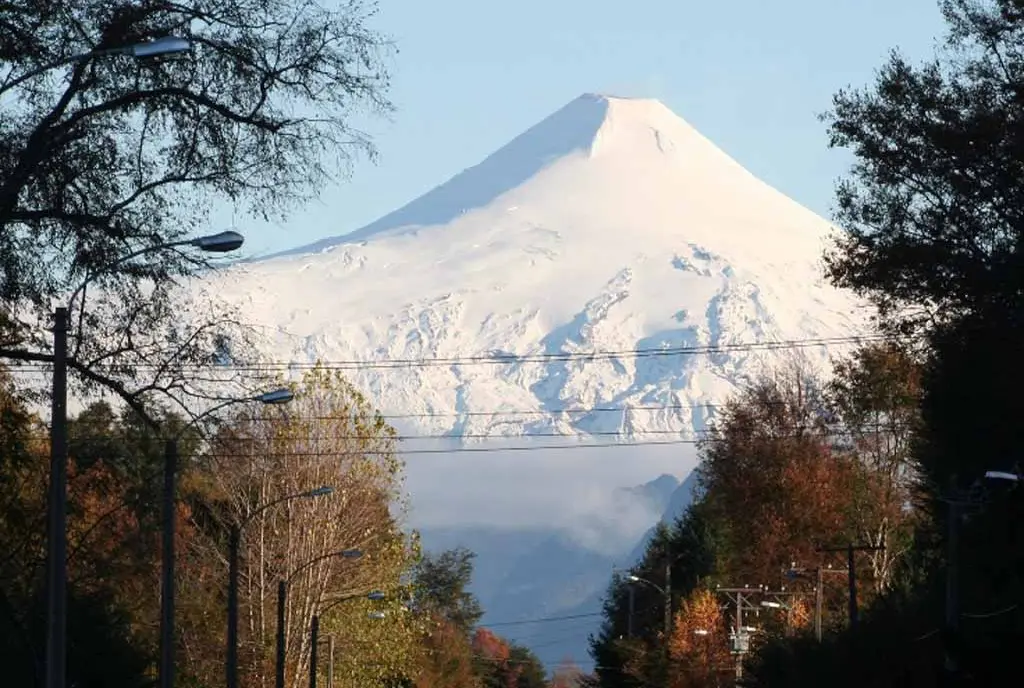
point(612, 228)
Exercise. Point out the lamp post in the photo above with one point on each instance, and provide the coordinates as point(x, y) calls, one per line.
point(278, 396)
point(56, 559)
point(282, 594)
point(234, 540)
point(314, 628)
point(956, 501)
point(166, 45)
point(665, 592)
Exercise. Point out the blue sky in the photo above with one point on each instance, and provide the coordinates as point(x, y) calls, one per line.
point(751, 75)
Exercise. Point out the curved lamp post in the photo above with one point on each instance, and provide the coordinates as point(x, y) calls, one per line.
point(314, 629)
point(166, 45)
point(665, 592)
point(277, 396)
point(56, 559)
point(233, 544)
point(282, 594)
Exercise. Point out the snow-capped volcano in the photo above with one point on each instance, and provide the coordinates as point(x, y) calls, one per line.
point(603, 274)
point(610, 226)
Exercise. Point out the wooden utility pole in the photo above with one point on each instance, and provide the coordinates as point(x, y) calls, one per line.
point(851, 549)
point(819, 592)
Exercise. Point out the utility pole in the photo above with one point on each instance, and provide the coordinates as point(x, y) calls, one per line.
point(952, 580)
point(56, 541)
point(668, 601)
point(819, 593)
point(851, 569)
point(740, 637)
point(632, 609)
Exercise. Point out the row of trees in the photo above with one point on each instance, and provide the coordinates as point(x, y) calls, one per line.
point(792, 465)
point(428, 635)
point(893, 450)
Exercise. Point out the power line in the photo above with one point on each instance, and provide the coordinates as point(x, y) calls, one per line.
point(542, 619)
point(502, 358)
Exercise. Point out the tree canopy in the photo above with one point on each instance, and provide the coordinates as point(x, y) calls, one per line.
point(106, 155)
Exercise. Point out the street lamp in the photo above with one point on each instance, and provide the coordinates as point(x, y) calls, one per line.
point(314, 629)
point(665, 592)
point(166, 45)
point(277, 396)
point(282, 594)
point(235, 537)
point(56, 560)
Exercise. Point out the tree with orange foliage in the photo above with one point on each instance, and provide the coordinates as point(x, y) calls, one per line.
point(502, 664)
point(772, 480)
point(699, 644)
point(448, 660)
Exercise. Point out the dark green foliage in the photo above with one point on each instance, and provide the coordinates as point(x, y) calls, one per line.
point(115, 154)
point(934, 208)
point(934, 212)
point(442, 587)
point(530, 671)
point(689, 546)
point(110, 165)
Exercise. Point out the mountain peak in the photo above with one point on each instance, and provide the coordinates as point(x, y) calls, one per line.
point(634, 132)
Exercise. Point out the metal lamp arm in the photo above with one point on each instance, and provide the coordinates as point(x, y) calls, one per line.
point(338, 600)
point(638, 579)
point(272, 503)
point(72, 59)
point(312, 561)
point(120, 261)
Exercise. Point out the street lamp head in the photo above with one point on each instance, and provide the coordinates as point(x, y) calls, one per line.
point(635, 579)
point(376, 596)
point(771, 605)
point(167, 45)
point(222, 242)
point(277, 396)
point(351, 553)
point(321, 491)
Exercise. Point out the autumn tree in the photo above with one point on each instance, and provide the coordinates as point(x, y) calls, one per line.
point(503, 664)
point(446, 659)
point(689, 546)
point(329, 436)
point(451, 611)
point(112, 548)
point(772, 483)
point(875, 398)
point(699, 645)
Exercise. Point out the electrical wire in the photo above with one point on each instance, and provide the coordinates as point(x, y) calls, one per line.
point(500, 358)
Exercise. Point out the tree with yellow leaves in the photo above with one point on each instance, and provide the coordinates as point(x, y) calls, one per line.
point(328, 436)
point(699, 645)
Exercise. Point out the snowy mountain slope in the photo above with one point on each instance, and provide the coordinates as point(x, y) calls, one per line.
point(610, 226)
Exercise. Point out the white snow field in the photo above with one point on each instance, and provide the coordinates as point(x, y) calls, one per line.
point(611, 226)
